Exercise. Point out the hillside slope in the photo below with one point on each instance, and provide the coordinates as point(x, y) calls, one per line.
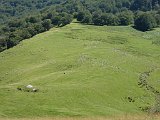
point(80, 70)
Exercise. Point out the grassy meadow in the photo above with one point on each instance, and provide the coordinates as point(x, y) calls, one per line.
point(81, 71)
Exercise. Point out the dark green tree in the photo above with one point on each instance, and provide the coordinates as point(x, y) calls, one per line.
point(65, 20)
point(3, 43)
point(112, 19)
point(16, 23)
point(145, 22)
point(55, 20)
point(32, 30)
point(38, 28)
point(47, 24)
point(87, 18)
point(25, 34)
point(143, 5)
point(157, 17)
point(97, 18)
point(80, 15)
point(126, 18)
point(33, 19)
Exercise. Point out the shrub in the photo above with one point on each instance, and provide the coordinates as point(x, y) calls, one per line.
point(145, 22)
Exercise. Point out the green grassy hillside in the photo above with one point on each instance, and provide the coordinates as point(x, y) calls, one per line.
point(80, 70)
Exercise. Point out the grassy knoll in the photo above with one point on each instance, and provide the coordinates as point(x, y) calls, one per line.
point(80, 71)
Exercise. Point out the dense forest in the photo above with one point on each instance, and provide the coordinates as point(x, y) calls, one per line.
point(22, 8)
point(22, 19)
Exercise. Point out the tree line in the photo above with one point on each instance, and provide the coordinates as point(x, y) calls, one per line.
point(142, 21)
point(21, 8)
point(21, 19)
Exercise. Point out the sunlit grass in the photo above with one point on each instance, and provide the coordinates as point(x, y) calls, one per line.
point(125, 117)
point(82, 71)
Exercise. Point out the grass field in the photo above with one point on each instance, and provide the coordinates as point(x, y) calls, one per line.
point(124, 117)
point(80, 71)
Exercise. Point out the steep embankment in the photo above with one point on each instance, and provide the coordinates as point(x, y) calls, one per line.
point(80, 70)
